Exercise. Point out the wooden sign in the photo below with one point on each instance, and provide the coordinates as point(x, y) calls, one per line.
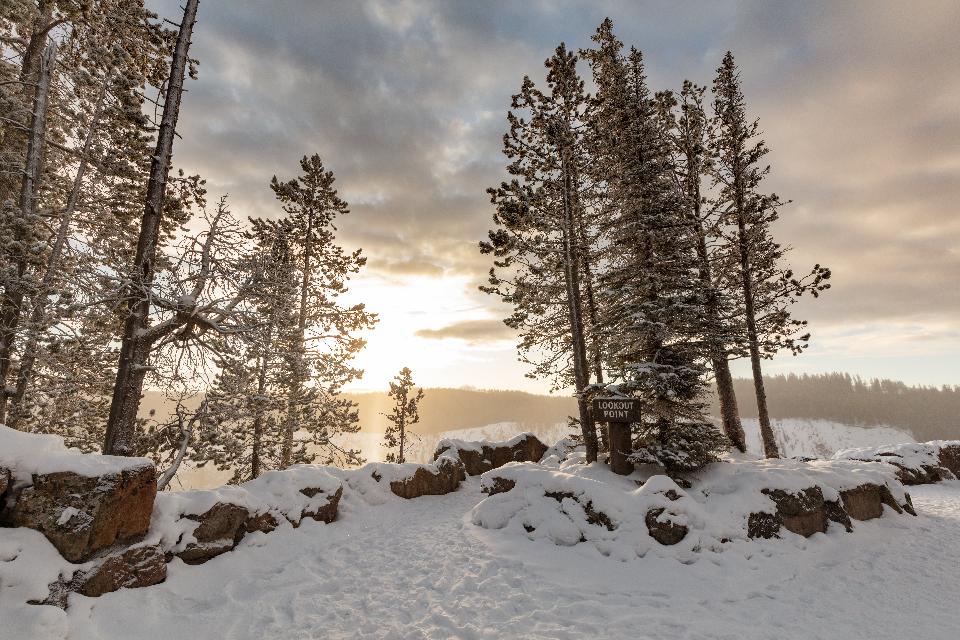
point(616, 410)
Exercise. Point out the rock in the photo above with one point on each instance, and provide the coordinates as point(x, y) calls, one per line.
point(665, 532)
point(430, 480)
point(761, 524)
point(133, 567)
point(803, 513)
point(950, 459)
point(836, 513)
point(866, 502)
point(82, 515)
point(265, 523)
point(484, 457)
point(328, 512)
point(592, 515)
point(499, 485)
point(221, 528)
point(119, 568)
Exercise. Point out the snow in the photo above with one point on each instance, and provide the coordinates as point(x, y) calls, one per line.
point(29, 453)
point(394, 568)
point(910, 455)
point(458, 444)
point(716, 510)
point(275, 492)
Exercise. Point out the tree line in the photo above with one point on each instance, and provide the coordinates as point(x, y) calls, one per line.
point(929, 413)
point(118, 272)
point(634, 241)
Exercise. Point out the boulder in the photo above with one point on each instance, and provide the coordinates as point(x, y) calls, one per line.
point(82, 515)
point(836, 513)
point(866, 501)
point(950, 459)
point(499, 485)
point(666, 532)
point(480, 457)
point(221, 528)
point(328, 512)
point(264, 523)
point(803, 513)
point(430, 480)
point(133, 567)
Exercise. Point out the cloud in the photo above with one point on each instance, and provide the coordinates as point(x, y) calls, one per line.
point(405, 101)
point(474, 331)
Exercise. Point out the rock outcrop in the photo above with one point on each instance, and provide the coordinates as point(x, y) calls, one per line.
point(435, 479)
point(131, 567)
point(949, 456)
point(916, 462)
point(221, 528)
point(81, 514)
point(806, 512)
point(480, 457)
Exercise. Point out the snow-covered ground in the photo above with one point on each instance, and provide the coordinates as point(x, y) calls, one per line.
point(420, 569)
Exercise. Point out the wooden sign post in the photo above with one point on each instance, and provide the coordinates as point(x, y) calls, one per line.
point(618, 413)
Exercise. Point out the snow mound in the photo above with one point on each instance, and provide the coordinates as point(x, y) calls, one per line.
point(26, 454)
point(458, 444)
point(627, 517)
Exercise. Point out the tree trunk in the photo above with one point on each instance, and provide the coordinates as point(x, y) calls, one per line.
point(402, 426)
point(12, 303)
point(296, 380)
point(729, 412)
point(134, 351)
point(38, 314)
point(770, 449)
point(574, 307)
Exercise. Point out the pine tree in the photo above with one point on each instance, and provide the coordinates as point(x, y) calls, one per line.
point(652, 307)
point(689, 133)
point(134, 350)
point(538, 247)
point(325, 342)
point(767, 287)
point(404, 414)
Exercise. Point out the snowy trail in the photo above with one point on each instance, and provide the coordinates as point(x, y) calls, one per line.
point(420, 569)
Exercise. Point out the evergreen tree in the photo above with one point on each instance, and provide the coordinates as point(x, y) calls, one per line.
point(651, 303)
point(538, 247)
point(687, 125)
point(404, 414)
point(767, 288)
point(320, 353)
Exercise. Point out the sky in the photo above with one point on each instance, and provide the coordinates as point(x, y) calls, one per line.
point(405, 101)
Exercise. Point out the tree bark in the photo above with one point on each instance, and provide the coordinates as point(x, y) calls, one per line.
point(134, 350)
point(38, 313)
point(770, 449)
point(729, 412)
point(12, 303)
point(574, 308)
point(296, 380)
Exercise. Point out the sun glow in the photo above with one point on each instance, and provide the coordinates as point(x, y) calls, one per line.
point(408, 304)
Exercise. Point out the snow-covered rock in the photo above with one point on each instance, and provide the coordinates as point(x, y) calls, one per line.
point(735, 500)
point(82, 503)
point(480, 456)
point(199, 525)
point(412, 480)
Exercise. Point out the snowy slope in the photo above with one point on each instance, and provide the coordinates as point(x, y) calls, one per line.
point(420, 569)
point(799, 437)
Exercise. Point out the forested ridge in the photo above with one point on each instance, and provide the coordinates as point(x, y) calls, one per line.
point(930, 413)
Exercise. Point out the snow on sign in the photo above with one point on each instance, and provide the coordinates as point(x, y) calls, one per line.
point(616, 410)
